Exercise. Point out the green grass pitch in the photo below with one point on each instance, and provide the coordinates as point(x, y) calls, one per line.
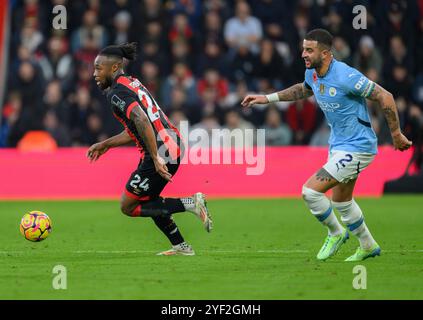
point(259, 249)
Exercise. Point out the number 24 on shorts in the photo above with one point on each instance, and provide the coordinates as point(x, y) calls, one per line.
point(137, 183)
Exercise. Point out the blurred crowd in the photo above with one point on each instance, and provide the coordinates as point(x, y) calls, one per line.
point(199, 58)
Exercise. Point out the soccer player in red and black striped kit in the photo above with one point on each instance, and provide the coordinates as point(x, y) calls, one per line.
point(158, 141)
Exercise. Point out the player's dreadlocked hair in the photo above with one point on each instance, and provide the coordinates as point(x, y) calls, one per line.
point(322, 36)
point(127, 51)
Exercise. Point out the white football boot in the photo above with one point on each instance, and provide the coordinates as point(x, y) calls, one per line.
point(183, 249)
point(201, 211)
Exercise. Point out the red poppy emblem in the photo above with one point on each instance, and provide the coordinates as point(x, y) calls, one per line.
point(314, 76)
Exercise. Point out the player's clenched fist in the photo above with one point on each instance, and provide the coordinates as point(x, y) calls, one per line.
point(401, 142)
point(254, 99)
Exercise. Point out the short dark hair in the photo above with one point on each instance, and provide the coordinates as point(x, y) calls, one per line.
point(322, 36)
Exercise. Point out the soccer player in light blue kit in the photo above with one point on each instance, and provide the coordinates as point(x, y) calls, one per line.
point(341, 92)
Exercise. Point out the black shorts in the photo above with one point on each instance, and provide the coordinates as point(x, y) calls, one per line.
point(145, 183)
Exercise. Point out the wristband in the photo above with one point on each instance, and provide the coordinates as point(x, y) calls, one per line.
point(274, 97)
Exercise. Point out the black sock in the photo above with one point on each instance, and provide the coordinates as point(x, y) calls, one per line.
point(161, 207)
point(174, 205)
point(169, 228)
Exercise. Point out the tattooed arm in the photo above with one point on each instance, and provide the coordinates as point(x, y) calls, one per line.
point(296, 92)
point(146, 132)
point(387, 103)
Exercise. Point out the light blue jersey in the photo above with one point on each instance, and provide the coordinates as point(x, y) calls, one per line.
point(341, 94)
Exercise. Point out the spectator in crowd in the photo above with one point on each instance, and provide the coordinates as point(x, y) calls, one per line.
point(57, 63)
point(122, 22)
point(211, 57)
point(367, 56)
point(212, 29)
point(241, 66)
point(13, 125)
point(151, 11)
point(177, 117)
point(221, 7)
point(93, 130)
point(107, 12)
point(30, 37)
point(277, 133)
point(341, 50)
point(398, 56)
point(302, 118)
point(82, 107)
point(90, 32)
point(191, 8)
point(180, 53)
point(29, 83)
point(269, 64)
point(181, 30)
point(150, 51)
point(212, 80)
point(150, 77)
point(243, 30)
point(336, 25)
point(398, 81)
point(273, 14)
point(179, 102)
point(240, 133)
point(54, 102)
point(201, 134)
point(59, 132)
point(209, 103)
point(321, 136)
point(181, 77)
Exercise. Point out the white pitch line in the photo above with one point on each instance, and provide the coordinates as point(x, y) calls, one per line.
point(282, 251)
point(206, 251)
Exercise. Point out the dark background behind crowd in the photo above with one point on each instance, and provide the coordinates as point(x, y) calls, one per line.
point(199, 59)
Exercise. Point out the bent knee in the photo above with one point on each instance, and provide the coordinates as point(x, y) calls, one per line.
point(126, 210)
point(309, 194)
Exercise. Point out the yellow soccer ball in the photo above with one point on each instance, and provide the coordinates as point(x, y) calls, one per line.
point(35, 226)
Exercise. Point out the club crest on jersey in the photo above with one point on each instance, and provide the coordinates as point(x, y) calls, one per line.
point(322, 88)
point(332, 91)
point(118, 102)
point(135, 84)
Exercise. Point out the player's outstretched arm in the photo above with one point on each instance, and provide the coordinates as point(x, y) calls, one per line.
point(145, 130)
point(296, 92)
point(387, 103)
point(100, 148)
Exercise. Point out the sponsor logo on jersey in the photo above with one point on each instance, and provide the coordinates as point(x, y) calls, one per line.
point(118, 102)
point(328, 106)
point(360, 83)
point(332, 91)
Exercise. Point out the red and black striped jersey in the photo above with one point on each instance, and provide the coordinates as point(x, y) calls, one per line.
point(127, 92)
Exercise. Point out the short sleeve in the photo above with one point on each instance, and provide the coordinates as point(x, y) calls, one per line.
point(306, 81)
point(357, 84)
point(124, 102)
